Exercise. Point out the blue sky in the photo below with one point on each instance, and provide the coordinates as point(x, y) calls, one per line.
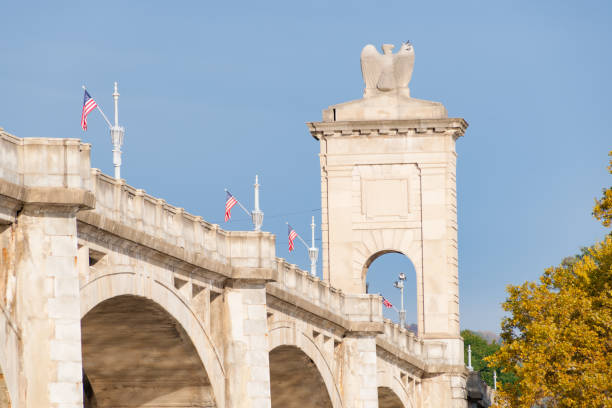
point(214, 92)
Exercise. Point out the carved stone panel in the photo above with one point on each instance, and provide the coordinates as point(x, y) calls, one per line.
point(384, 193)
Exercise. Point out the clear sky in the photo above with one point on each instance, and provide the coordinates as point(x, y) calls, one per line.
point(214, 92)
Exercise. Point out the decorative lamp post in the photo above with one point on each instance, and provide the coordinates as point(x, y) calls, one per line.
point(469, 367)
point(313, 252)
point(117, 132)
point(400, 285)
point(495, 380)
point(257, 215)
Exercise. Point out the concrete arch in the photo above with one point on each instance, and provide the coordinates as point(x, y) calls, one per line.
point(374, 243)
point(412, 251)
point(111, 285)
point(286, 333)
point(391, 391)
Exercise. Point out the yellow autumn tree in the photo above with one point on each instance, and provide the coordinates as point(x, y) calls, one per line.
point(557, 340)
point(603, 206)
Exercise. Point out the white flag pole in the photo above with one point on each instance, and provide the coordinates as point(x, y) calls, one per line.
point(257, 215)
point(117, 133)
point(313, 252)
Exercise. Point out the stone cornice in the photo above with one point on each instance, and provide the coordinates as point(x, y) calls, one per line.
point(13, 197)
point(318, 130)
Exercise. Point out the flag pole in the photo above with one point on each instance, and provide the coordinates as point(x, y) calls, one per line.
point(313, 252)
point(117, 132)
point(103, 115)
point(257, 215)
point(240, 204)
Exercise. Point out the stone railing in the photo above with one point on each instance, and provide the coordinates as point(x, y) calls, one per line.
point(401, 338)
point(134, 215)
point(292, 283)
point(396, 339)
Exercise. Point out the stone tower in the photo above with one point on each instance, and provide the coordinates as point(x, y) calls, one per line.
point(388, 185)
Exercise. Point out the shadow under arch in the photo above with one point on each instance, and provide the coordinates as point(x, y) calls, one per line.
point(135, 354)
point(387, 398)
point(5, 398)
point(392, 392)
point(293, 351)
point(153, 309)
point(395, 261)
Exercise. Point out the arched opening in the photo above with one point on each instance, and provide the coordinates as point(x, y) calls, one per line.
point(381, 271)
point(388, 399)
point(295, 381)
point(136, 355)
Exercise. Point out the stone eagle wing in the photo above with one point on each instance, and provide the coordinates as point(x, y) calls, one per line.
point(403, 64)
point(371, 65)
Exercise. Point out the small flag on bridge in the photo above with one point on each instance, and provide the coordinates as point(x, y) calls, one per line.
point(386, 303)
point(292, 235)
point(88, 105)
point(230, 202)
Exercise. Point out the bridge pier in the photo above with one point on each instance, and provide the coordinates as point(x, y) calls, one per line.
point(47, 307)
point(246, 345)
point(359, 383)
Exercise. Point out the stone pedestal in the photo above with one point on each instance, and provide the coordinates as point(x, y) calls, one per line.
point(48, 307)
point(445, 390)
point(359, 387)
point(246, 345)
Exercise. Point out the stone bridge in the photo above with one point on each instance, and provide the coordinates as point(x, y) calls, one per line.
point(141, 304)
point(113, 298)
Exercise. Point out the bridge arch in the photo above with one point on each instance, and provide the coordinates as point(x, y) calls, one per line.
point(117, 292)
point(287, 341)
point(392, 393)
point(412, 255)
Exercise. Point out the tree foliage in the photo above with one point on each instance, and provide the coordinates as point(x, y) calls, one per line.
point(558, 338)
point(603, 206)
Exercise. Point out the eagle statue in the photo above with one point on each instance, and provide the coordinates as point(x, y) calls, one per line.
point(387, 72)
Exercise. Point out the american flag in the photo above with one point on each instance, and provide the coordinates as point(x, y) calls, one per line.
point(230, 202)
point(88, 105)
point(292, 235)
point(386, 303)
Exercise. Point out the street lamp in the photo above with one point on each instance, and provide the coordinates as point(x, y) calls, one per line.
point(400, 285)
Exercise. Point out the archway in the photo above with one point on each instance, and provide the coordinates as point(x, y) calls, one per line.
point(388, 399)
point(135, 354)
point(295, 381)
point(381, 270)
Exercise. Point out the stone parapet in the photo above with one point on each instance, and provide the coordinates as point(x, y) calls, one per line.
point(131, 214)
point(44, 162)
point(402, 339)
point(353, 312)
point(43, 172)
